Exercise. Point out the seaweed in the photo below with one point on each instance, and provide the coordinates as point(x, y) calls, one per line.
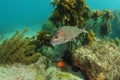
point(78, 13)
point(43, 39)
point(105, 27)
point(69, 12)
point(98, 24)
point(115, 25)
point(18, 49)
point(89, 38)
point(116, 41)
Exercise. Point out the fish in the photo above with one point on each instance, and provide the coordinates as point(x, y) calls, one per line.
point(65, 34)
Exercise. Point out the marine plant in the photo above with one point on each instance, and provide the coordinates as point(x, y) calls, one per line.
point(105, 27)
point(70, 12)
point(96, 14)
point(42, 43)
point(18, 49)
point(95, 20)
point(116, 41)
point(48, 26)
point(115, 24)
point(89, 38)
point(77, 12)
point(43, 39)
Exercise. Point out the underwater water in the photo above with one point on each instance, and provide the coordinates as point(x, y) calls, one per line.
point(70, 53)
point(16, 15)
point(23, 13)
point(104, 4)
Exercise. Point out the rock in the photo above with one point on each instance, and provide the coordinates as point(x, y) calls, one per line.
point(17, 71)
point(41, 70)
point(99, 61)
point(54, 73)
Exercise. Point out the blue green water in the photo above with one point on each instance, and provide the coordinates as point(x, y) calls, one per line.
point(18, 14)
point(14, 12)
point(104, 4)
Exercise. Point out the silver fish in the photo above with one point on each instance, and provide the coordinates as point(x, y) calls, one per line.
point(65, 34)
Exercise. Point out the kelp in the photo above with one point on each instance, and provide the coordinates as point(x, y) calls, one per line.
point(18, 49)
point(78, 13)
point(105, 26)
point(115, 25)
point(69, 12)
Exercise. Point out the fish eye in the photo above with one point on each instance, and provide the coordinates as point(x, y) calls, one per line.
point(56, 37)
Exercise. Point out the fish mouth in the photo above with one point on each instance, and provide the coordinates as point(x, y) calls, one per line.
point(53, 43)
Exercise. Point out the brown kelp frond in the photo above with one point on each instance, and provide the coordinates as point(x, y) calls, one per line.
point(89, 38)
point(70, 12)
point(18, 50)
point(78, 13)
point(107, 15)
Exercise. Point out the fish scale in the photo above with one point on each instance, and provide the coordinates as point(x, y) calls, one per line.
point(65, 34)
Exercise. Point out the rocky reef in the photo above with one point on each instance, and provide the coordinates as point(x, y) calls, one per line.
point(90, 56)
point(100, 61)
point(35, 71)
